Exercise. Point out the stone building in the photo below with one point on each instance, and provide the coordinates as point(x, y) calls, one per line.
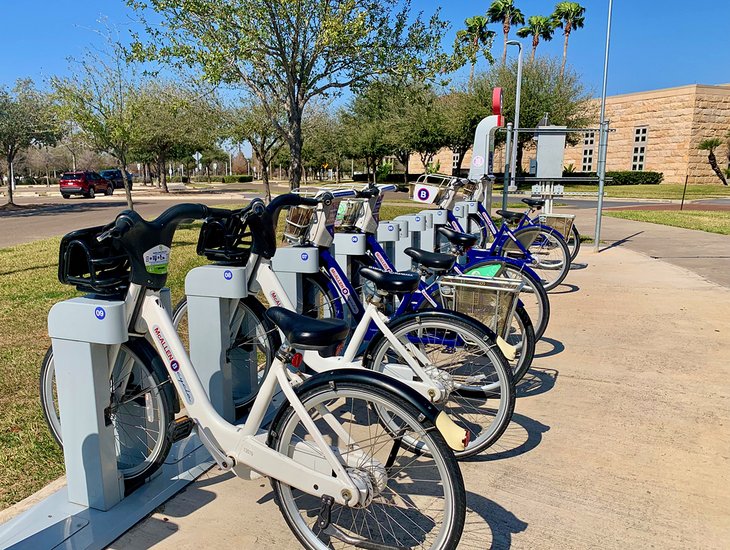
point(658, 130)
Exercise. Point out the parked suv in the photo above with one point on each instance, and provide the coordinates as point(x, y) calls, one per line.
point(115, 176)
point(84, 183)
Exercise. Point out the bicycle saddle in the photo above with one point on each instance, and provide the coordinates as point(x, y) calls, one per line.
point(457, 238)
point(391, 282)
point(534, 203)
point(307, 333)
point(511, 216)
point(431, 260)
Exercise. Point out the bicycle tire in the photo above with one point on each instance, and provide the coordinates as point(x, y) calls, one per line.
point(469, 405)
point(265, 333)
point(573, 242)
point(382, 465)
point(159, 387)
point(476, 226)
point(537, 308)
point(560, 266)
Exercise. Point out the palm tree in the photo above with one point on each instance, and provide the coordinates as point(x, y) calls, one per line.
point(475, 39)
point(538, 26)
point(505, 12)
point(568, 16)
point(710, 145)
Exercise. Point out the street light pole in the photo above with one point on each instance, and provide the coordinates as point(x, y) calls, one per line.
point(518, 94)
point(603, 138)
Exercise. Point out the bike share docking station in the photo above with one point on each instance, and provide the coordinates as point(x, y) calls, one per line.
point(92, 510)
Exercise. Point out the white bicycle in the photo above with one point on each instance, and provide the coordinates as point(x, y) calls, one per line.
point(340, 450)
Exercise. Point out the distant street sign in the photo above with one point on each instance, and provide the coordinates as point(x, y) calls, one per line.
point(197, 156)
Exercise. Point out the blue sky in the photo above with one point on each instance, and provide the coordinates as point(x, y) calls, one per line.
point(653, 45)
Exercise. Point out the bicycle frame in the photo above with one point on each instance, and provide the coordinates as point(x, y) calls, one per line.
point(245, 444)
point(370, 322)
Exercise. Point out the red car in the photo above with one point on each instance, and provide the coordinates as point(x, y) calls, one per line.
point(84, 183)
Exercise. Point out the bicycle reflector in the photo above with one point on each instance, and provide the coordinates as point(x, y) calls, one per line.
point(296, 360)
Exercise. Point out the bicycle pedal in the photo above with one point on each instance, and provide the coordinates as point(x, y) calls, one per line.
point(181, 428)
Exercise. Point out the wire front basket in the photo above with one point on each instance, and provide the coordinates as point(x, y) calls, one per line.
point(93, 266)
point(491, 301)
point(348, 212)
point(298, 221)
point(468, 189)
point(562, 223)
point(430, 188)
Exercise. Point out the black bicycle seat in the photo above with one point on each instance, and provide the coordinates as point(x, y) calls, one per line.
point(457, 238)
point(307, 333)
point(431, 260)
point(390, 281)
point(534, 203)
point(511, 216)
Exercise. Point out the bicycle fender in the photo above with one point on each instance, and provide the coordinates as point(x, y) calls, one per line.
point(456, 437)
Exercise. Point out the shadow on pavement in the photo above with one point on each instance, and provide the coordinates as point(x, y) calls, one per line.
point(48, 209)
point(556, 347)
point(536, 382)
point(578, 265)
point(565, 288)
point(621, 241)
point(521, 436)
point(488, 525)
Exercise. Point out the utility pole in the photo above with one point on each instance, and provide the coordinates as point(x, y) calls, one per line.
point(603, 137)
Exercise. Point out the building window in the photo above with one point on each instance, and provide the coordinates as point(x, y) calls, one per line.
point(454, 161)
point(637, 159)
point(589, 139)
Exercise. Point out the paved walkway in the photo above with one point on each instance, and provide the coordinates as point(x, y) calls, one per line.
point(619, 439)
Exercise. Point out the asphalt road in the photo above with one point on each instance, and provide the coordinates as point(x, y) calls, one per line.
point(56, 216)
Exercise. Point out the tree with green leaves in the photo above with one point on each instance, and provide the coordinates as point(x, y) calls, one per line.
point(27, 118)
point(505, 12)
point(99, 100)
point(172, 122)
point(539, 27)
point(710, 145)
point(249, 122)
point(568, 16)
point(365, 120)
point(474, 41)
point(544, 90)
point(289, 53)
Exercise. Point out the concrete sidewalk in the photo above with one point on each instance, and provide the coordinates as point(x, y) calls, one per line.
point(619, 440)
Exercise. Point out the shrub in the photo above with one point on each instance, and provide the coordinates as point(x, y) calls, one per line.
point(628, 177)
point(237, 178)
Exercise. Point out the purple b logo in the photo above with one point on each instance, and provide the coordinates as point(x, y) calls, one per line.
point(354, 239)
point(174, 365)
point(305, 256)
point(228, 274)
point(423, 194)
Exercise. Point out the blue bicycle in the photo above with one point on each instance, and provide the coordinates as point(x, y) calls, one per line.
point(331, 293)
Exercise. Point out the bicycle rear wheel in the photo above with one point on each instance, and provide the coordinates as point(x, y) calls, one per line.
point(573, 242)
point(141, 408)
point(418, 499)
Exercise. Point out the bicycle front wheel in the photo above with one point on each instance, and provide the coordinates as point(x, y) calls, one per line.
point(573, 242)
point(141, 408)
point(468, 363)
point(418, 499)
point(254, 341)
point(548, 255)
point(534, 297)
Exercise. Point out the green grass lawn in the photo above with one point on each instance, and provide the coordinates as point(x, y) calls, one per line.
point(29, 287)
point(710, 221)
point(662, 191)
